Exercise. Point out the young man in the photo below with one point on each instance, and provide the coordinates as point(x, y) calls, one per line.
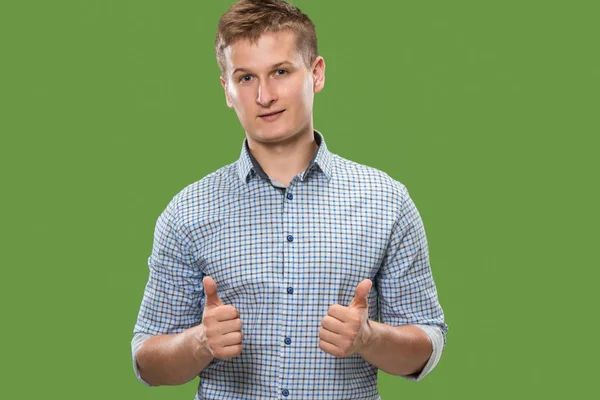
point(267, 276)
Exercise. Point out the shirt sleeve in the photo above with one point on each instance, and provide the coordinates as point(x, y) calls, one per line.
point(173, 298)
point(437, 343)
point(136, 343)
point(405, 285)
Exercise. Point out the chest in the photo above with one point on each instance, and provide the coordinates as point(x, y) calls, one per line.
point(271, 241)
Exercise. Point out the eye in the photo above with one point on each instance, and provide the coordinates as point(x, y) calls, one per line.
point(246, 78)
point(280, 72)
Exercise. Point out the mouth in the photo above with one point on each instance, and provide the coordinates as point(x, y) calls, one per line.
point(271, 115)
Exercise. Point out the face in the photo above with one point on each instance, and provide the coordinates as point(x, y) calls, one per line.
point(271, 88)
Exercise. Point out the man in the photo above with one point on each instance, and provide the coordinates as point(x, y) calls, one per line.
point(267, 277)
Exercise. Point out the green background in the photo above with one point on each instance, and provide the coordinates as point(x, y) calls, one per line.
point(487, 111)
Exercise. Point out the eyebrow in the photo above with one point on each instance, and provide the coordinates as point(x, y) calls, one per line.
point(274, 66)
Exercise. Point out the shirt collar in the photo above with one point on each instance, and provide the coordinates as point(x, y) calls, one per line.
point(322, 160)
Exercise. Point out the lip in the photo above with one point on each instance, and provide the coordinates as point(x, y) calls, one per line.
point(271, 116)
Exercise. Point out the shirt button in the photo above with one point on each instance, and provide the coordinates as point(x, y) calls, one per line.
point(288, 340)
point(290, 238)
point(290, 196)
point(290, 290)
point(285, 392)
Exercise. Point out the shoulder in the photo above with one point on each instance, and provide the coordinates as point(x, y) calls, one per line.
point(206, 193)
point(367, 179)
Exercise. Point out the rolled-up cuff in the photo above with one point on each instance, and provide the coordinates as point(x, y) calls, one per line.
point(437, 344)
point(136, 343)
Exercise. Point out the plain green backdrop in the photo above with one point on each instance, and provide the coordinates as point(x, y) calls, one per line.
point(487, 111)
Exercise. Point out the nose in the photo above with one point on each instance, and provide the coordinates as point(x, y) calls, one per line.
point(265, 96)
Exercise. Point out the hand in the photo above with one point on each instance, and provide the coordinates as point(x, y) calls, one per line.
point(222, 324)
point(345, 330)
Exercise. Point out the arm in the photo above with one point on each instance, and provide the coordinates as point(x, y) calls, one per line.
point(410, 351)
point(172, 306)
point(173, 359)
point(401, 350)
point(410, 339)
point(177, 358)
point(412, 321)
point(397, 350)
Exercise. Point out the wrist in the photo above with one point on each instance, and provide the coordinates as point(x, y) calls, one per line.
point(370, 337)
point(196, 341)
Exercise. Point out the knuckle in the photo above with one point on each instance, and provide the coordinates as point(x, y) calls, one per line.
point(233, 313)
point(218, 353)
point(213, 343)
point(229, 308)
point(232, 351)
point(209, 330)
point(208, 316)
point(223, 310)
point(232, 310)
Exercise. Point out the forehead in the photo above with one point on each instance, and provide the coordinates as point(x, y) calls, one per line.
point(271, 48)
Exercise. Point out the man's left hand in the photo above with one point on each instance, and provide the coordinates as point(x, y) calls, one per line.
point(345, 330)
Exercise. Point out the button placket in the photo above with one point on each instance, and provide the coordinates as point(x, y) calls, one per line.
point(289, 207)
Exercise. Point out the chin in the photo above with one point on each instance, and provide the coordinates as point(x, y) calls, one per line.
point(272, 136)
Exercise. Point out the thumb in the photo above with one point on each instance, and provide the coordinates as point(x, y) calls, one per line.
point(361, 295)
point(210, 291)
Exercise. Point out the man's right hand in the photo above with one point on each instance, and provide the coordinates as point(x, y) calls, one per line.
point(174, 359)
point(222, 324)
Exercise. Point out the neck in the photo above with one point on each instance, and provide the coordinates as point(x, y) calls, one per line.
point(284, 160)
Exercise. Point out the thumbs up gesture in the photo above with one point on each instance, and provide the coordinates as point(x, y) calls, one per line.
point(222, 324)
point(345, 330)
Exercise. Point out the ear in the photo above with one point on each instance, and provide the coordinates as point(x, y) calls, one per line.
point(227, 97)
point(318, 72)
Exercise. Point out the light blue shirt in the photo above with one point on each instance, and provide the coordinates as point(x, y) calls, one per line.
point(282, 256)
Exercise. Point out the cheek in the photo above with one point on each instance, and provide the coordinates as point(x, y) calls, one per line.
point(241, 100)
point(307, 94)
point(301, 93)
point(234, 95)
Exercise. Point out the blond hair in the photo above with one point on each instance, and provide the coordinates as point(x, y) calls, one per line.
point(249, 19)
